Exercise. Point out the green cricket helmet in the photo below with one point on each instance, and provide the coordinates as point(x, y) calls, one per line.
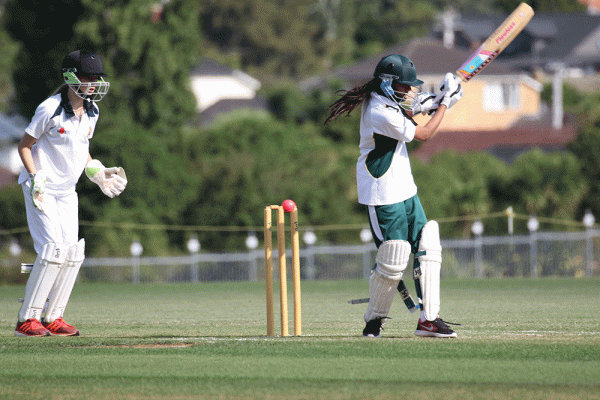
point(400, 69)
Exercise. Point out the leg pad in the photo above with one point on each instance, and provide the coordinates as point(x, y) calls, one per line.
point(42, 277)
point(61, 291)
point(392, 259)
point(430, 264)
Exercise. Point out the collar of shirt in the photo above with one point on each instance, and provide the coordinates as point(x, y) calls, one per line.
point(89, 106)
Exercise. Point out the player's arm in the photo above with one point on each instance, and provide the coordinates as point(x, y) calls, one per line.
point(450, 95)
point(427, 131)
point(25, 152)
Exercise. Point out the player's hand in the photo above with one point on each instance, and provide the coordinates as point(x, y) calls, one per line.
point(117, 180)
point(112, 181)
point(38, 188)
point(451, 90)
point(424, 103)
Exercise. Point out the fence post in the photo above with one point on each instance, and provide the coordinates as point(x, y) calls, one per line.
point(366, 237)
point(533, 225)
point(477, 230)
point(588, 222)
point(136, 251)
point(251, 245)
point(310, 239)
point(193, 245)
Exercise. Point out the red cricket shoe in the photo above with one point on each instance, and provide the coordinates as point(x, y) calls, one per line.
point(60, 328)
point(31, 327)
point(435, 328)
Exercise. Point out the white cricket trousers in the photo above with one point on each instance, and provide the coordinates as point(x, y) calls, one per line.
point(59, 223)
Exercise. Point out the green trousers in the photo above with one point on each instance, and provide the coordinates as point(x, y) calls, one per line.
point(399, 221)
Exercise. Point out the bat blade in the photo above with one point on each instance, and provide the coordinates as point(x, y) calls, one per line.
point(496, 42)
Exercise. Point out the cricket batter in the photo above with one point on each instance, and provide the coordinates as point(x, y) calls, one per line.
point(55, 152)
point(386, 186)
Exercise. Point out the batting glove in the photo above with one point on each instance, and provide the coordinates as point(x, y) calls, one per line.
point(37, 183)
point(451, 90)
point(424, 103)
point(112, 181)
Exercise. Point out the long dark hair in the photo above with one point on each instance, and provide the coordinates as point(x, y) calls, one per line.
point(352, 98)
point(60, 89)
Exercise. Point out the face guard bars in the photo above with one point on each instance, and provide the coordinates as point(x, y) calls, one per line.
point(404, 99)
point(84, 89)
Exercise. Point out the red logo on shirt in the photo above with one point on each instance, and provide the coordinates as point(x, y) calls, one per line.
point(61, 130)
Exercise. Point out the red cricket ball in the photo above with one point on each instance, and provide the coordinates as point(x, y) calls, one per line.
point(288, 206)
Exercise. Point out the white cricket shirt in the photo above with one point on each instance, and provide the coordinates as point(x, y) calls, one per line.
point(62, 146)
point(382, 117)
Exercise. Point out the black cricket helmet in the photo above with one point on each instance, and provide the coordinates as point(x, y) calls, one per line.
point(84, 64)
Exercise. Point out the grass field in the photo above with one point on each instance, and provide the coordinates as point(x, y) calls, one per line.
point(519, 339)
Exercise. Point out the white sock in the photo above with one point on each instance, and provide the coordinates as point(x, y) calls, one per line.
point(422, 318)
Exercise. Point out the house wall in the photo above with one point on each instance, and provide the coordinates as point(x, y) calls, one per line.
point(492, 104)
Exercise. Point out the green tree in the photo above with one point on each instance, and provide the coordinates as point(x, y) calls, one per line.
point(542, 183)
point(587, 149)
point(278, 40)
point(159, 189)
point(384, 23)
point(43, 43)
point(269, 39)
point(454, 185)
point(149, 59)
point(247, 162)
point(10, 48)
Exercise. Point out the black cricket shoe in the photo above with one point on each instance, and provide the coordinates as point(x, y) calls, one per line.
point(374, 327)
point(435, 328)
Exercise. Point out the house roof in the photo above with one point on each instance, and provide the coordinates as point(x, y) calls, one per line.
point(573, 38)
point(505, 144)
point(228, 105)
point(220, 89)
point(209, 67)
point(429, 56)
point(572, 31)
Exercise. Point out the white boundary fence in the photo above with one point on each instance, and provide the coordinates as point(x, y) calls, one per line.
point(534, 255)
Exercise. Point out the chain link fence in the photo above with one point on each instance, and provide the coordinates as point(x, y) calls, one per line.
point(538, 254)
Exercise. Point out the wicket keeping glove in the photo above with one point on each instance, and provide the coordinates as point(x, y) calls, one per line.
point(451, 90)
point(424, 103)
point(37, 183)
point(112, 181)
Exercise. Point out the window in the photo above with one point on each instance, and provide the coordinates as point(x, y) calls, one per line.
point(501, 97)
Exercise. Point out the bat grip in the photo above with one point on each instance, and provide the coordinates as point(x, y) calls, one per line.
point(438, 98)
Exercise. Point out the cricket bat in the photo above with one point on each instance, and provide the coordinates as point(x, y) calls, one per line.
point(496, 42)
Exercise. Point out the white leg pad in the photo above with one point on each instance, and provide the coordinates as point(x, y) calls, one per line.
point(431, 263)
point(392, 259)
point(42, 277)
point(61, 291)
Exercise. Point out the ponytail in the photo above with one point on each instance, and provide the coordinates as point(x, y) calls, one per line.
point(352, 98)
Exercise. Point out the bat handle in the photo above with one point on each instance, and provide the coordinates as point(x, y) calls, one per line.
point(439, 97)
point(436, 100)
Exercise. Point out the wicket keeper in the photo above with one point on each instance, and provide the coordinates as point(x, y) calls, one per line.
point(55, 152)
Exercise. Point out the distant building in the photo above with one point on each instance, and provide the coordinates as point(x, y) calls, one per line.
point(219, 89)
point(501, 111)
point(570, 41)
